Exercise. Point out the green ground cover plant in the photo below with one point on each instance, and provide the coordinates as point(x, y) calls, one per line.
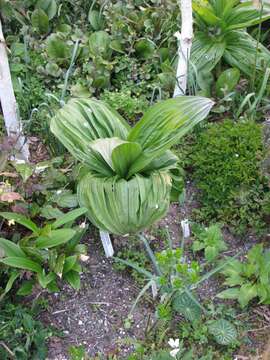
point(226, 161)
point(22, 336)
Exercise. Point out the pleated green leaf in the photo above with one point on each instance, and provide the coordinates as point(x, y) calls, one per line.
point(206, 52)
point(245, 15)
point(164, 124)
point(125, 207)
point(241, 52)
point(123, 156)
point(166, 161)
point(82, 121)
point(105, 148)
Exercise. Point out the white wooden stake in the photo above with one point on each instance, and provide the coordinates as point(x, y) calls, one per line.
point(106, 242)
point(185, 43)
point(8, 101)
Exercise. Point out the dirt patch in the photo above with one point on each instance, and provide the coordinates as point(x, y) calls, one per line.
point(94, 316)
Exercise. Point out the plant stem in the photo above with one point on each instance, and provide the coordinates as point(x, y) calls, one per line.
point(72, 62)
point(150, 254)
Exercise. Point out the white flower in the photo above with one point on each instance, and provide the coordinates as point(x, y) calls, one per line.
point(174, 344)
point(58, 192)
point(11, 222)
point(174, 352)
point(82, 225)
point(84, 257)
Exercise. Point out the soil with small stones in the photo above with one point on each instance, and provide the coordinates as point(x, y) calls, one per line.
point(95, 316)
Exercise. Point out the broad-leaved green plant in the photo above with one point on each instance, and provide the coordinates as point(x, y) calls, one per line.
point(127, 186)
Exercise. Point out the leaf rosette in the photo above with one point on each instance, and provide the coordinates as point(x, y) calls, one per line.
point(128, 182)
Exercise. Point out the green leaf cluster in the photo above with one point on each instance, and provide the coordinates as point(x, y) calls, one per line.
point(226, 161)
point(222, 35)
point(128, 184)
point(22, 334)
point(208, 239)
point(249, 279)
point(48, 253)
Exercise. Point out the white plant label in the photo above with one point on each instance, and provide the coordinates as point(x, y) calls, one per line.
point(185, 228)
point(107, 244)
point(154, 289)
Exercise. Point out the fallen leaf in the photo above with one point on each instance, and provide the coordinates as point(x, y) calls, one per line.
point(10, 197)
point(9, 174)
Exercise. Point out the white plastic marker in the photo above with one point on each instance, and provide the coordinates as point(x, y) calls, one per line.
point(106, 242)
point(185, 228)
point(154, 289)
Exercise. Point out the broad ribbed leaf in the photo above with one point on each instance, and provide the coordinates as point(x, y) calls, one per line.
point(57, 237)
point(245, 15)
point(70, 216)
point(82, 121)
point(105, 148)
point(227, 81)
point(22, 263)
point(73, 278)
point(164, 124)
point(183, 304)
point(10, 249)
point(123, 207)
point(223, 7)
point(69, 263)
point(223, 331)
point(22, 220)
point(99, 44)
point(241, 52)
point(166, 161)
point(206, 13)
point(123, 156)
point(206, 52)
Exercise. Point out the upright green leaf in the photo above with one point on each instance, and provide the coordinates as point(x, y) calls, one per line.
point(123, 156)
point(99, 44)
point(40, 21)
point(245, 15)
point(241, 52)
point(70, 216)
point(82, 121)
point(206, 52)
point(73, 278)
point(12, 278)
point(227, 81)
point(49, 6)
point(164, 124)
point(56, 237)
point(96, 19)
point(105, 148)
